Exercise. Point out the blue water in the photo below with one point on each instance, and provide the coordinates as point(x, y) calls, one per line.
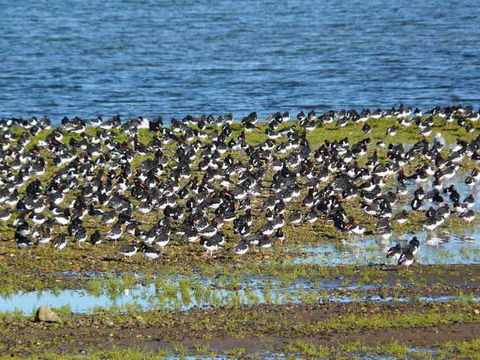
point(144, 297)
point(171, 58)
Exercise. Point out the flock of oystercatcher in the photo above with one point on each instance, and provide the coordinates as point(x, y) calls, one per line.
point(197, 177)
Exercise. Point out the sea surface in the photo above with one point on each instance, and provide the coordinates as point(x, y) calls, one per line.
point(173, 58)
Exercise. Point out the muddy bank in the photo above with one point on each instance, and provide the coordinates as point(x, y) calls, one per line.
point(256, 328)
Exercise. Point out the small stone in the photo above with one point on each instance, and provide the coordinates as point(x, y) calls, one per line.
point(45, 314)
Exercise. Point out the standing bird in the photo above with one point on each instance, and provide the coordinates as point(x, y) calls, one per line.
point(150, 252)
point(22, 241)
point(128, 250)
point(395, 252)
point(60, 241)
point(95, 238)
point(438, 141)
point(80, 236)
point(407, 258)
point(241, 248)
point(413, 246)
point(115, 232)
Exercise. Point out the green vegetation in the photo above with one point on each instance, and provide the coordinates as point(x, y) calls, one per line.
point(461, 350)
point(237, 310)
point(347, 350)
point(124, 354)
point(466, 350)
point(200, 333)
point(41, 267)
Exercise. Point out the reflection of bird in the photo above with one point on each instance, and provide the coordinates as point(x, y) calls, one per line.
point(433, 240)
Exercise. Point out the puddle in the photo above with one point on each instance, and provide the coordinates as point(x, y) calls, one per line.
point(169, 295)
point(438, 247)
point(173, 296)
point(423, 351)
point(266, 355)
point(435, 248)
point(459, 182)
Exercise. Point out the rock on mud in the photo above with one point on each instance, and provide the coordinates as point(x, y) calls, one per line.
point(45, 314)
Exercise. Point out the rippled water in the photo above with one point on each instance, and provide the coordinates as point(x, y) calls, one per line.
point(175, 57)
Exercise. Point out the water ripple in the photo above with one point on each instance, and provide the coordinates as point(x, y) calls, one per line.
point(234, 56)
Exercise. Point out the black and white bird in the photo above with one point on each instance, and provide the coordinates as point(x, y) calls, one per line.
point(128, 250)
point(395, 252)
point(241, 248)
point(96, 238)
point(413, 246)
point(406, 258)
point(150, 252)
point(60, 241)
